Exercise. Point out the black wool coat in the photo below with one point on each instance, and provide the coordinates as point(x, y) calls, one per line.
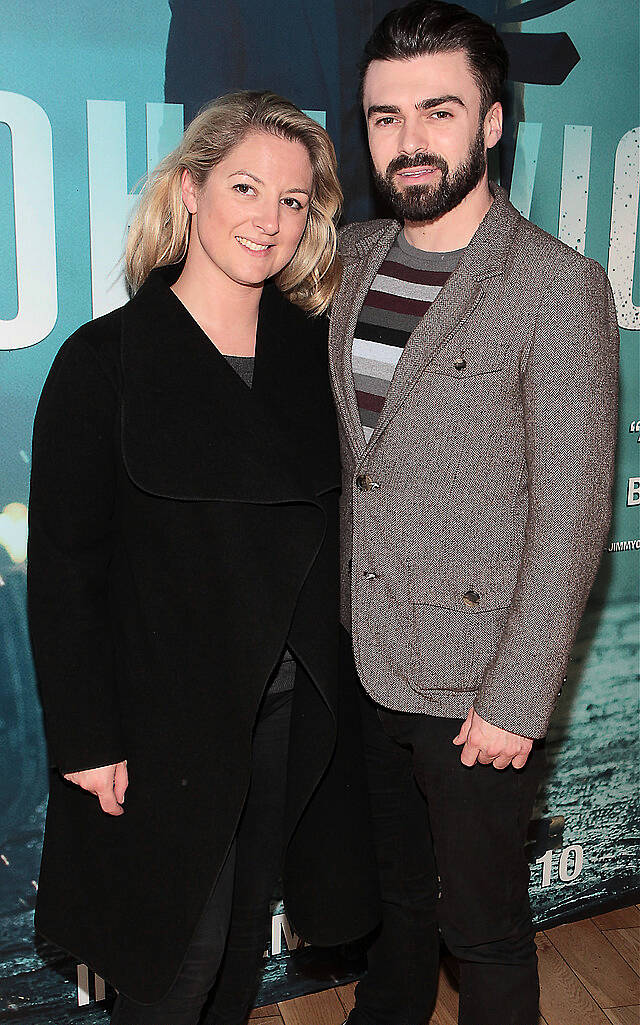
point(182, 529)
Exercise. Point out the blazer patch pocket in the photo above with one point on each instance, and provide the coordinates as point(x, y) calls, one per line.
point(449, 650)
point(455, 629)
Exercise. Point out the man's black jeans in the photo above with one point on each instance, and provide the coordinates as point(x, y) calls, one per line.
point(450, 848)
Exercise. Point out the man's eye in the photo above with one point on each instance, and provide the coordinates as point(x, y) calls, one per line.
point(441, 115)
point(386, 120)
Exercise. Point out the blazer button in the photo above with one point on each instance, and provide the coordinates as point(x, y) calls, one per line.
point(460, 363)
point(370, 575)
point(471, 599)
point(365, 483)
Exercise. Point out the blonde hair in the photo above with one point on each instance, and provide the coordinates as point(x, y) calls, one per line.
point(159, 232)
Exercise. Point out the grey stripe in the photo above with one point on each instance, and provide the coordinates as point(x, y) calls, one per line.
point(368, 417)
point(405, 289)
point(373, 368)
point(373, 385)
point(376, 352)
point(383, 318)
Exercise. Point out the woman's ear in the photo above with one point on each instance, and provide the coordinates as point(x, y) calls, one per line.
point(188, 189)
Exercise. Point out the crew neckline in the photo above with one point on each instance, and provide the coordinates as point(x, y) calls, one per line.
point(409, 250)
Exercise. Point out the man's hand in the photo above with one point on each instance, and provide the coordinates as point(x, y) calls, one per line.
point(108, 783)
point(490, 744)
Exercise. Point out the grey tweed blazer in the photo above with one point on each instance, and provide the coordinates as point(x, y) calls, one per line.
point(474, 519)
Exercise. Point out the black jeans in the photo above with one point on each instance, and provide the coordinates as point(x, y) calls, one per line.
point(450, 849)
point(225, 956)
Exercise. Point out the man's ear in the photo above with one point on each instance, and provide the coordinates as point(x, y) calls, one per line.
point(493, 126)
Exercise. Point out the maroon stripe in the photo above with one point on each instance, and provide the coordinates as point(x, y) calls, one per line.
point(368, 401)
point(396, 303)
point(417, 277)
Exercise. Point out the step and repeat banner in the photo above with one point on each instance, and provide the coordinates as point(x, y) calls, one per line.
point(91, 95)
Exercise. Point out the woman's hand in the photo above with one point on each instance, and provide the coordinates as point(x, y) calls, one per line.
point(108, 783)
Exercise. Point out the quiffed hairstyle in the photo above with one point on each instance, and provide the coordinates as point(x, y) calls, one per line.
point(429, 27)
point(159, 232)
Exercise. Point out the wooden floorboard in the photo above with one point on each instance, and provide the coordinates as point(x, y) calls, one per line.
point(625, 918)
point(563, 998)
point(589, 975)
point(446, 1010)
point(624, 1015)
point(601, 969)
point(315, 1009)
point(627, 943)
point(347, 996)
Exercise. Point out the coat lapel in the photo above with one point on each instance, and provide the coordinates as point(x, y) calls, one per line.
point(190, 427)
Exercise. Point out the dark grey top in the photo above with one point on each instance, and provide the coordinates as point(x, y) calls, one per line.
point(420, 259)
point(283, 676)
point(243, 366)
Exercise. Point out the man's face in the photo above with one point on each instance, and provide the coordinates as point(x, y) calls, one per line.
point(427, 140)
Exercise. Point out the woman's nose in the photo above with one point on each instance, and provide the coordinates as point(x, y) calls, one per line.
point(267, 218)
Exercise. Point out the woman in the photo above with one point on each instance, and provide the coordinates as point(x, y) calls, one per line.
point(182, 573)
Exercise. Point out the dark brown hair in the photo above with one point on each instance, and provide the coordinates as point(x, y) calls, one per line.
point(429, 27)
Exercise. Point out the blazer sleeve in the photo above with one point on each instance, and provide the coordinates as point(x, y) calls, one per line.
point(71, 532)
point(569, 397)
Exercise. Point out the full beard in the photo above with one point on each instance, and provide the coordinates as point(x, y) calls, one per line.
point(427, 202)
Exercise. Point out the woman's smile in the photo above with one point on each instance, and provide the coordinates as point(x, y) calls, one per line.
point(254, 247)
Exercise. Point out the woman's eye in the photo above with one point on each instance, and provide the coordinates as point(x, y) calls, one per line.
point(293, 203)
point(243, 188)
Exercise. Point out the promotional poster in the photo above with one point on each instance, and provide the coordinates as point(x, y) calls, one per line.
point(92, 96)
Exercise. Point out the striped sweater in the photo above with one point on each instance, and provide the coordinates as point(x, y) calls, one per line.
point(404, 288)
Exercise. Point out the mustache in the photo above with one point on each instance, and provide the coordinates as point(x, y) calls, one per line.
point(404, 161)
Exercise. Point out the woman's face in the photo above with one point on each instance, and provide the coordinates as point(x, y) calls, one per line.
point(251, 212)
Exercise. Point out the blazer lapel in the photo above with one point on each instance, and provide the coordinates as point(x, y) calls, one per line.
point(190, 428)
point(358, 274)
point(459, 297)
point(485, 257)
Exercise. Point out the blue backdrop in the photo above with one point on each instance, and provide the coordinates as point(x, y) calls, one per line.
point(92, 94)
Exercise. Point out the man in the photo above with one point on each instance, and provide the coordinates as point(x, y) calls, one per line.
point(307, 54)
point(474, 364)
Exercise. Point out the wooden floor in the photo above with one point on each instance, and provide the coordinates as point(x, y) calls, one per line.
point(589, 975)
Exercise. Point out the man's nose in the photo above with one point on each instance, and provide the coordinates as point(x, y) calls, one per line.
point(414, 136)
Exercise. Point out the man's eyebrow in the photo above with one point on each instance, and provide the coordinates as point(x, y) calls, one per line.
point(428, 104)
point(382, 108)
point(438, 101)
